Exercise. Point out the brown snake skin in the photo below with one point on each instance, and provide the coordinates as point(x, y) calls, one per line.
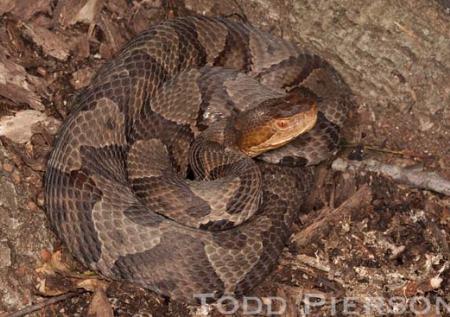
point(119, 190)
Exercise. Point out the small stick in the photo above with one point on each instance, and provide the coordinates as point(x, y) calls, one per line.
point(50, 301)
point(383, 150)
point(412, 177)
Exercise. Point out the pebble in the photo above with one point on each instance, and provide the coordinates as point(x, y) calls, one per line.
point(16, 177)
point(8, 167)
point(32, 206)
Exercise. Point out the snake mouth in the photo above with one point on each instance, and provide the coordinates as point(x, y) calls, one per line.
point(279, 130)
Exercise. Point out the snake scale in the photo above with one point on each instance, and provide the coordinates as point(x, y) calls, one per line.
point(168, 173)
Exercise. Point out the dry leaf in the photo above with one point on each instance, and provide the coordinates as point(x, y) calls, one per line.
point(54, 264)
point(50, 283)
point(54, 285)
point(99, 306)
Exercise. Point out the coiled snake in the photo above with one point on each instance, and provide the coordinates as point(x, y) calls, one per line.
point(185, 162)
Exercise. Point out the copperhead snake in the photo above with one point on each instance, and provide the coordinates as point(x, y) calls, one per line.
point(185, 161)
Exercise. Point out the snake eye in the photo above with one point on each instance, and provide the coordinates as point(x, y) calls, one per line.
point(282, 124)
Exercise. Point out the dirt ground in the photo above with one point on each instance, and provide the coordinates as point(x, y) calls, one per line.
point(364, 243)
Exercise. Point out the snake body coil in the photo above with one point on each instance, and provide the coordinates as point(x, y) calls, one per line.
point(117, 187)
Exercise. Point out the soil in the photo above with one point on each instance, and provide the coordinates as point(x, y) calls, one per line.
point(361, 239)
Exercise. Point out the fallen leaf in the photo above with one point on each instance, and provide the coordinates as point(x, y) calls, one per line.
point(54, 264)
point(100, 305)
point(54, 285)
point(51, 277)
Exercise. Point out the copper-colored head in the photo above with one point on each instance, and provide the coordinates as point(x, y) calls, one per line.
point(276, 122)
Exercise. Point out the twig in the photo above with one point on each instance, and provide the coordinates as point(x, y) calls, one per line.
point(50, 301)
point(374, 148)
point(412, 177)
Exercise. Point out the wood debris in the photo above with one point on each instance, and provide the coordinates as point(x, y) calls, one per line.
point(327, 217)
point(24, 10)
point(19, 86)
point(19, 128)
point(70, 12)
point(53, 44)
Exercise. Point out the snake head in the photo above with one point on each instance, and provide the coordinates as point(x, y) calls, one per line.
point(275, 122)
